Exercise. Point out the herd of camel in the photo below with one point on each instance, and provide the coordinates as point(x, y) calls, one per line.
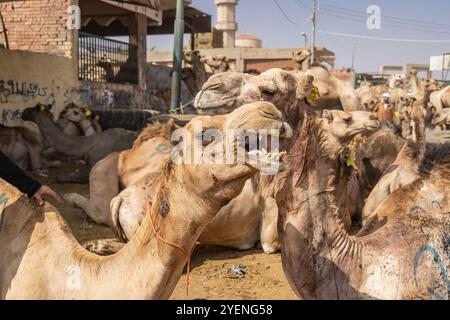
point(360, 209)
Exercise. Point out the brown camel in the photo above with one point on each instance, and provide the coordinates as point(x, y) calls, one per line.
point(40, 259)
point(343, 126)
point(401, 260)
point(194, 76)
point(405, 168)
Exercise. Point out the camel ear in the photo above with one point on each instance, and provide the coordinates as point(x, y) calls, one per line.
point(326, 114)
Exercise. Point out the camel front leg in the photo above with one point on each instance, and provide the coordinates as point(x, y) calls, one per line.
point(104, 186)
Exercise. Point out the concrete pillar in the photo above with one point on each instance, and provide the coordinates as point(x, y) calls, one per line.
point(138, 37)
point(226, 21)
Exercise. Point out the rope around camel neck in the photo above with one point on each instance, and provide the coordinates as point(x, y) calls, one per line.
point(181, 248)
point(318, 193)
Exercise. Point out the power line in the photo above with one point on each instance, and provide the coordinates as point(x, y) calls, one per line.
point(285, 14)
point(381, 39)
point(396, 19)
point(389, 24)
point(389, 21)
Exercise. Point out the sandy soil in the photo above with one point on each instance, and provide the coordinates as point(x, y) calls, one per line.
point(210, 278)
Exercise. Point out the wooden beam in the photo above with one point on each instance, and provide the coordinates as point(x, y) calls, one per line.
point(156, 15)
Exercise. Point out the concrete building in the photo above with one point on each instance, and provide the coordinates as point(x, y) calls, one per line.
point(51, 60)
point(248, 59)
point(226, 21)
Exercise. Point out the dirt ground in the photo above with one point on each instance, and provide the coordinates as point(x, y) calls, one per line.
point(259, 275)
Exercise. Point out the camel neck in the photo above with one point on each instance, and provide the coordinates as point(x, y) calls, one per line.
point(68, 145)
point(315, 187)
point(87, 127)
point(154, 258)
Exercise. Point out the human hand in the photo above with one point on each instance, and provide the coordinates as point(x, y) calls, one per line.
point(45, 190)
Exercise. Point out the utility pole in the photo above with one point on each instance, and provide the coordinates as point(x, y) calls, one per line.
point(313, 36)
point(353, 57)
point(177, 57)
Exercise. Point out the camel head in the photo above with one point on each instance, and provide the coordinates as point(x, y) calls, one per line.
point(190, 56)
point(223, 178)
point(31, 114)
point(74, 113)
point(346, 125)
point(220, 93)
point(300, 56)
point(428, 84)
point(225, 92)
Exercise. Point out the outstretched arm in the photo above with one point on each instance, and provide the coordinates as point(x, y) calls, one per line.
point(11, 173)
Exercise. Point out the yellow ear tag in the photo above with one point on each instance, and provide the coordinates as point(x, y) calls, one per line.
point(41, 107)
point(397, 113)
point(97, 117)
point(87, 113)
point(314, 96)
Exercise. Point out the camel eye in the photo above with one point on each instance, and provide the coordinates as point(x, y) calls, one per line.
point(214, 86)
point(268, 93)
point(347, 118)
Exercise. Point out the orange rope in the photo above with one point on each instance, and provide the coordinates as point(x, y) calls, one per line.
point(181, 248)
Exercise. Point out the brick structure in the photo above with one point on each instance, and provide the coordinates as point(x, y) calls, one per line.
point(39, 26)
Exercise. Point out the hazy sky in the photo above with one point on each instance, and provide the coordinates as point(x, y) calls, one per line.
point(400, 19)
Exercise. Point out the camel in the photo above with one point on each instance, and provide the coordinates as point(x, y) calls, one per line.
point(440, 99)
point(403, 170)
point(224, 92)
point(401, 260)
point(235, 88)
point(91, 149)
point(442, 119)
point(55, 266)
point(82, 118)
point(218, 63)
point(334, 93)
point(343, 126)
point(196, 75)
point(379, 151)
point(150, 150)
point(25, 147)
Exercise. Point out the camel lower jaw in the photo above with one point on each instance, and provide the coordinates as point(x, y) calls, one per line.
point(213, 104)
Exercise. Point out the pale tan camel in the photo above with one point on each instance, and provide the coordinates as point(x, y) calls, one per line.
point(401, 260)
point(440, 99)
point(25, 147)
point(83, 118)
point(40, 259)
point(442, 119)
point(133, 166)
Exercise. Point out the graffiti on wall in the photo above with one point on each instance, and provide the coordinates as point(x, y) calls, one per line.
point(29, 91)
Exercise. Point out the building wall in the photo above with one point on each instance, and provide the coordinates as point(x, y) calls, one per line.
point(28, 78)
point(39, 26)
point(264, 65)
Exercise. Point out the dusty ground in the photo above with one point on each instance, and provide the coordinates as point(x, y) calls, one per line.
point(209, 276)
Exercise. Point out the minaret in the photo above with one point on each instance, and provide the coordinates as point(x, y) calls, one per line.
point(226, 21)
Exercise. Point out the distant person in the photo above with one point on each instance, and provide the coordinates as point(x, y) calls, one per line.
point(12, 174)
point(385, 110)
